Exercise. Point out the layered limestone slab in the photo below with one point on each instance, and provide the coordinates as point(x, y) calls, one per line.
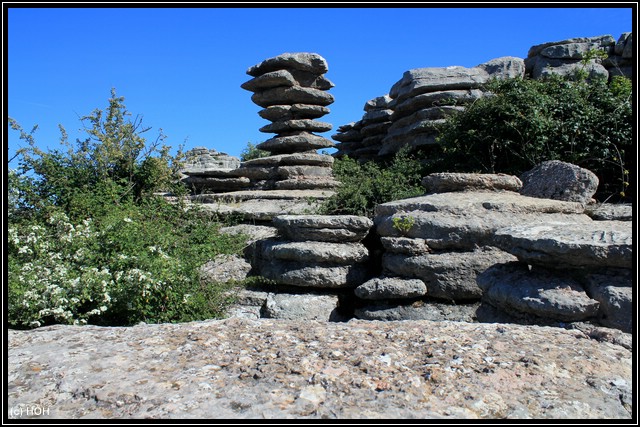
point(314, 252)
point(318, 276)
point(446, 182)
point(329, 228)
point(391, 288)
point(591, 244)
point(304, 61)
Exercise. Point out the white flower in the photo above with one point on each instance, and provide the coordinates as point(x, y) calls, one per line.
point(127, 219)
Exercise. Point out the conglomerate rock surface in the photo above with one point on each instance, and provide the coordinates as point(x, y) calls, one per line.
point(239, 368)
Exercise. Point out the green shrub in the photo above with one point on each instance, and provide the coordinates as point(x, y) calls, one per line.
point(364, 185)
point(252, 152)
point(89, 242)
point(525, 122)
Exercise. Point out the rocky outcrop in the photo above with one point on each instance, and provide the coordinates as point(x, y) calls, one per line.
point(294, 179)
point(419, 102)
point(566, 57)
point(207, 170)
point(306, 369)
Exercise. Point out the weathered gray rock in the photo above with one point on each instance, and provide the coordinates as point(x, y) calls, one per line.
point(201, 160)
point(506, 67)
point(514, 288)
point(378, 103)
point(292, 95)
point(348, 136)
point(614, 291)
point(302, 307)
point(286, 172)
point(463, 220)
point(263, 205)
point(209, 183)
point(391, 288)
point(311, 62)
point(406, 124)
point(610, 212)
point(419, 310)
point(558, 180)
point(376, 116)
point(569, 50)
point(249, 303)
point(323, 228)
point(591, 244)
point(540, 67)
point(307, 183)
point(621, 43)
point(421, 80)
point(445, 182)
point(448, 275)
point(314, 276)
point(405, 245)
point(432, 99)
point(303, 141)
point(225, 269)
point(278, 369)
point(306, 125)
point(314, 252)
point(293, 112)
point(287, 78)
point(306, 158)
point(603, 41)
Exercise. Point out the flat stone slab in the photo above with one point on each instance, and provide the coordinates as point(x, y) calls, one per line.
point(287, 78)
point(614, 291)
point(446, 182)
point(304, 61)
point(449, 275)
point(292, 95)
point(419, 310)
point(390, 288)
point(592, 244)
point(309, 158)
point(514, 288)
point(306, 125)
point(295, 111)
point(306, 369)
point(314, 252)
point(314, 276)
point(610, 212)
point(302, 307)
point(303, 141)
point(324, 228)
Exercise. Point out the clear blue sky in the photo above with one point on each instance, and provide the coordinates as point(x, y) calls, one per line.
point(181, 68)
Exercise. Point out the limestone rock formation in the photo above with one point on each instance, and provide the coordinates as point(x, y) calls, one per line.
point(565, 57)
point(207, 170)
point(558, 180)
point(308, 369)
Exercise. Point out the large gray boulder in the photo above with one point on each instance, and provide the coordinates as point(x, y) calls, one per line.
point(514, 288)
point(590, 244)
point(554, 179)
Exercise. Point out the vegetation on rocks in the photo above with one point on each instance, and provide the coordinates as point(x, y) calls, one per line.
point(524, 122)
point(89, 242)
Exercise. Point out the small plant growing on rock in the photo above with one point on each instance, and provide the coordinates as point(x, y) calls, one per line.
point(403, 223)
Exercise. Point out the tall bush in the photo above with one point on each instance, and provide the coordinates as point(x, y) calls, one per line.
point(89, 242)
point(523, 122)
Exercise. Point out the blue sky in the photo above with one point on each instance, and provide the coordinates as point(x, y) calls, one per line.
point(181, 68)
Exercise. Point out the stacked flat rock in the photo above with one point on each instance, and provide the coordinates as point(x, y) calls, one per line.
point(566, 273)
point(315, 251)
point(565, 57)
point(363, 140)
point(425, 97)
point(292, 90)
point(445, 240)
point(207, 170)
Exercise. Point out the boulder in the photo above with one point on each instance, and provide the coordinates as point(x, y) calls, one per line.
point(391, 288)
point(558, 180)
point(449, 275)
point(513, 287)
point(590, 244)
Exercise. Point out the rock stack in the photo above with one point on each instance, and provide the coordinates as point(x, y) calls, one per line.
point(417, 104)
point(565, 57)
point(313, 263)
point(207, 170)
point(292, 90)
point(445, 239)
point(363, 139)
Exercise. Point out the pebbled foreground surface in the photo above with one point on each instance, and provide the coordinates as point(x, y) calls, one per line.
point(277, 369)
